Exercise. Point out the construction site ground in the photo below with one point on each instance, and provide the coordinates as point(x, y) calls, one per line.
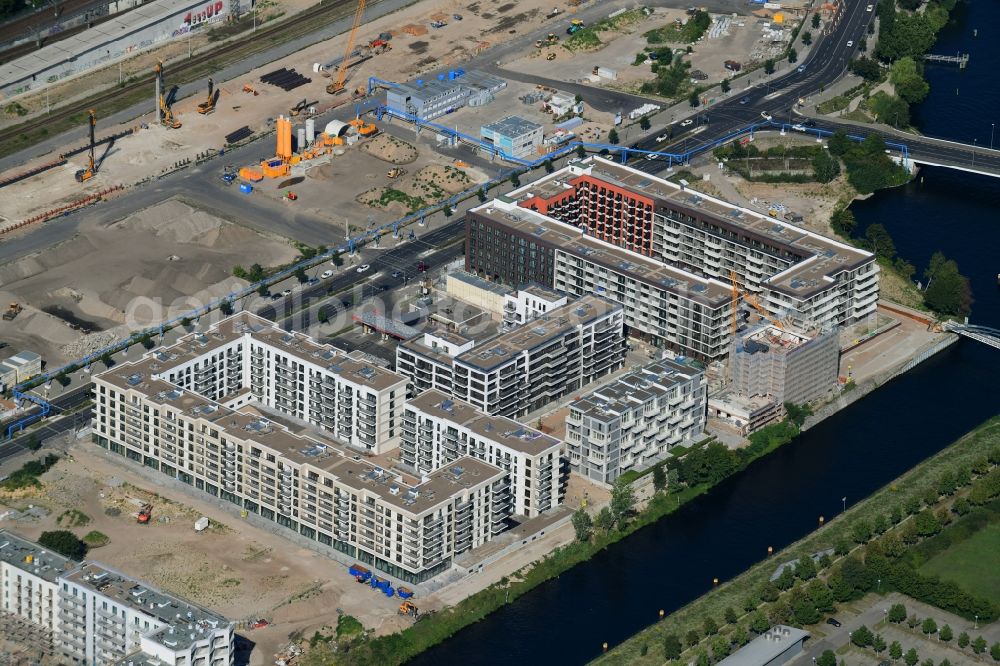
point(129, 272)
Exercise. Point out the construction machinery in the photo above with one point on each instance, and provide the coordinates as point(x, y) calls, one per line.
point(407, 608)
point(575, 26)
point(337, 86)
point(12, 311)
point(145, 514)
point(394, 172)
point(88, 173)
point(208, 106)
point(550, 56)
point(751, 299)
point(302, 106)
point(165, 116)
point(366, 130)
point(247, 88)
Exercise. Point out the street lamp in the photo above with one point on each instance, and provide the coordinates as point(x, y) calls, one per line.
point(993, 126)
point(844, 502)
point(977, 623)
point(974, 141)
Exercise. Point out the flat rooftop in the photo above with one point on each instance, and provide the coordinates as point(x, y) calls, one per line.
point(29, 556)
point(512, 126)
point(537, 333)
point(480, 283)
point(411, 494)
point(499, 429)
point(818, 258)
point(633, 389)
point(541, 291)
point(768, 337)
point(766, 647)
point(569, 238)
point(184, 622)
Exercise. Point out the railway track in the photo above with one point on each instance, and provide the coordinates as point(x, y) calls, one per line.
point(290, 28)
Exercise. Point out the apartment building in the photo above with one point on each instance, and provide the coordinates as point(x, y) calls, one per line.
point(519, 370)
point(245, 358)
point(29, 581)
point(438, 430)
point(636, 420)
point(95, 615)
point(309, 484)
point(662, 304)
point(529, 302)
point(796, 273)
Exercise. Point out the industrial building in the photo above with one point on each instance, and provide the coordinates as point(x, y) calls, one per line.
point(483, 294)
point(438, 430)
point(770, 366)
point(522, 369)
point(432, 98)
point(140, 28)
point(776, 646)
point(636, 420)
point(514, 135)
point(19, 368)
point(95, 615)
point(596, 224)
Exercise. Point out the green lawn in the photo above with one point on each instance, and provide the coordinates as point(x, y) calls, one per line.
point(971, 563)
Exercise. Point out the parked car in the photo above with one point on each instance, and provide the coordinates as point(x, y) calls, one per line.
point(850, 43)
point(421, 267)
point(745, 101)
point(802, 68)
point(833, 622)
point(799, 128)
point(325, 274)
point(397, 274)
point(661, 138)
point(869, 8)
point(765, 115)
point(685, 123)
point(286, 292)
point(363, 268)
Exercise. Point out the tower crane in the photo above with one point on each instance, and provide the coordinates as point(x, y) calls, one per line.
point(88, 173)
point(337, 86)
point(164, 115)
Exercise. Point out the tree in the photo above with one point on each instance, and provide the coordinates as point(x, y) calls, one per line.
point(911, 657)
point(807, 38)
point(65, 543)
point(769, 591)
point(805, 612)
point(300, 275)
point(862, 636)
point(262, 290)
point(828, 658)
point(481, 192)
point(740, 635)
point(702, 659)
point(815, 21)
point(107, 359)
point(239, 272)
point(659, 478)
point(720, 647)
point(581, 152)
point(913, 621)
point(613, 137)
point(786, 579)
point(605, 520)
point(793, 55)
point(730, 615)
point(692, 638)
point(821, 596)
point(908, 80)
point(979, 645)
point(880, 241)
point(963, 640)
point(895, 650)
point(995, 651)
point(896, 614)
point(672, 647)
point(549, 167)
point(583, 524)
point(759, 623)
point(825, 167)
point(861, 531)
point(839, 143)
point(622, 500)
point(515, 181)
point(947, 291)
point(256, 273)
point(797, 414)
point(644, 123)
point(226, 308)
point(878, 644)
point(842, 221)
point(866, 68)
point(890, 109)
point(693, 99)
point(710, 626)
point(946, 634)
point(929, 626)
point(726, 86)
point(805, 568)
point(927, 523)
point(769, 66)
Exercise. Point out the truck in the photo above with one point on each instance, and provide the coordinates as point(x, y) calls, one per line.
point(12, 311)
point(732, 65)
point(575, 26)
point(145, 513)
point(360, 573)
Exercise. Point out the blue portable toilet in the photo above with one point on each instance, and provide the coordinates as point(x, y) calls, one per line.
point(440, 77)
point(246, 188)
point(420, 82)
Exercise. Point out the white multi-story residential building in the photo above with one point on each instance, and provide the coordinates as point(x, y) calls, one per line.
point(29, 585)
point(95, 615)
point(438, 430)
point(408, 527)
point(675, 253)
point(636, 420)
point(529, 302)
point(520, 370)
point(246, 358)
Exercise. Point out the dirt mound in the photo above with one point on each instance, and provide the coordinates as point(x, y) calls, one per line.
point(429, 185)
point(175, 221)
point(390, 149)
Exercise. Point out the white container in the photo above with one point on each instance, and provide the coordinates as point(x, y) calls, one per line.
point(607, 73)
point(201, 524)
point(310, 131)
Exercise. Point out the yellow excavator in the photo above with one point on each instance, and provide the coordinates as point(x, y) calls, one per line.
point(88, 173)
point(208, 106)
point(166, 116)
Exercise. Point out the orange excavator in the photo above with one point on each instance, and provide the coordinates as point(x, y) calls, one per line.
point(145, 513)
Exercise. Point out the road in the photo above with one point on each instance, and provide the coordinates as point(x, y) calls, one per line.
point(776, 97)
point(54, 425)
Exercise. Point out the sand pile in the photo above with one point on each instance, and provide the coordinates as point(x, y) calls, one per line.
point(389, 148)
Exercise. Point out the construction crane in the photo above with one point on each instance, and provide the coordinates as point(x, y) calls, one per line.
point(337, 86)
point(208, 106)
point(165, 116)
point(751, 299)
point(88, 173)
